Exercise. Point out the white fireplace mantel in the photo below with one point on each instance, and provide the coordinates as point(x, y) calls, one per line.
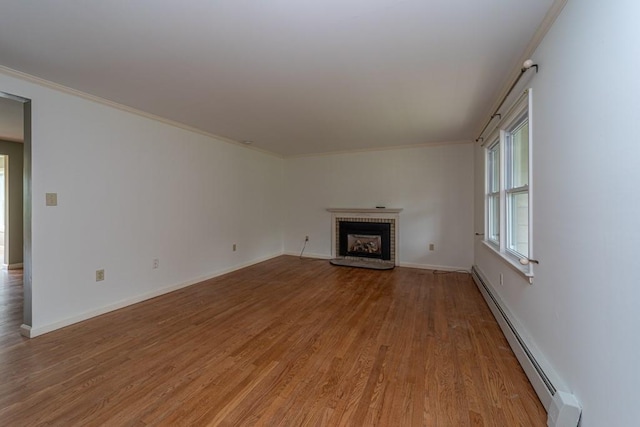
point(383, 213)
point(365, 210)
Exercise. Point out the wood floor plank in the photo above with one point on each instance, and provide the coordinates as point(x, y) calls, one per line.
point(286, 342)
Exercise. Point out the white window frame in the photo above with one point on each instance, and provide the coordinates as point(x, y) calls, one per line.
point(509, 189)
point(520, 111)
point(490, 193)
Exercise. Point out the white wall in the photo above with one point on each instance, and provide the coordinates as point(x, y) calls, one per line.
point(434, 186)
point(131, 189)
point(582, 310)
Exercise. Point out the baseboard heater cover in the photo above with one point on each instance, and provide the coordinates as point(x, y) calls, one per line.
point(563, 408)
point(564, 411)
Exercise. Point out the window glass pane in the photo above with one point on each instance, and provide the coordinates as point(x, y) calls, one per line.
point(493, 170)
point(518, 222)
point(493, 206)
point(519, 156)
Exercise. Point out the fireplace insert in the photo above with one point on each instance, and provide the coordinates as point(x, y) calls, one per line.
point(364, 239)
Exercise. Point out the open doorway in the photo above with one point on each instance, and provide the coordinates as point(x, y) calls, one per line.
point(3, 207)
point(15, 211)
point(11, 183)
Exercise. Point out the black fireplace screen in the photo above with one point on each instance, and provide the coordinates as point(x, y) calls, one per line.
point(365, 239)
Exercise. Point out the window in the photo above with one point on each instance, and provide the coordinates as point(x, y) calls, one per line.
point(517, 187)
point(493, 193)
point(507, 200)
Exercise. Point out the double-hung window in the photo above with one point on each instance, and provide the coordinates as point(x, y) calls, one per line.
point(507, 196)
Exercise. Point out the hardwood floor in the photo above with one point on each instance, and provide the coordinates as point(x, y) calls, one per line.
point(286, 342)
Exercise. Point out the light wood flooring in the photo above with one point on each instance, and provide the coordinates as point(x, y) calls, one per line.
point(286, 342)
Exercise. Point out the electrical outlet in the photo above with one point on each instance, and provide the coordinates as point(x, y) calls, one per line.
point(306, 238)
point(432, 247)
point(99, 275)
point(234, 247)
point(501, 280)
point(156, 263)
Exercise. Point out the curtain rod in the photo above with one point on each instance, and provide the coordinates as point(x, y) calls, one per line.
point(525, 67)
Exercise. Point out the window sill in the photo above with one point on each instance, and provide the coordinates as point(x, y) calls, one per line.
point(525, 270)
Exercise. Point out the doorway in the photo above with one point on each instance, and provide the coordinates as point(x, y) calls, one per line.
point(15, 150)
point(3, 208)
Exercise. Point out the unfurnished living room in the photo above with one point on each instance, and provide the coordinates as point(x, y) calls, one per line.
point(354, 213)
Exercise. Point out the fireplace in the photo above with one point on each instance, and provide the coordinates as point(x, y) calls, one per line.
point(365, 237)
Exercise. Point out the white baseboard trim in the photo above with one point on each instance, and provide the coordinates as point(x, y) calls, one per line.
point(308, 255)
point(25, 330)
point(402, 264)
point(433, 267)
point(542, 376)
point(16, 266)
point(34, 331)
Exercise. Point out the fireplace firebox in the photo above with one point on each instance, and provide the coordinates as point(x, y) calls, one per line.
point(365, 239)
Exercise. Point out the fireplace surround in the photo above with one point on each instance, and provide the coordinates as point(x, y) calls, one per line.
point(365, 237)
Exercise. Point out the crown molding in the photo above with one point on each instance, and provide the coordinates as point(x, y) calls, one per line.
point(544, 27)
point(387, 148)
point(74, 92)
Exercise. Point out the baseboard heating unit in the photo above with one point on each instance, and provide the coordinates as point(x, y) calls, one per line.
point(563, 408)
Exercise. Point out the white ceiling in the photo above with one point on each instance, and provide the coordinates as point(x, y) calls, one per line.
point(294, 76)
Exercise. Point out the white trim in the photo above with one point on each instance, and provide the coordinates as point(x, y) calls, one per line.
point(25, 331)
point(531, 185)
point(402, 264)
point(433, 267)
point(512, 261)
point(16, 266)
point(546, 24)
point(365, 210)
point(517, 110)
point(74, 92)
point(498, 307)
point(65, 89)
point(308, 255)
point(386, 148)
point(34, 331)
